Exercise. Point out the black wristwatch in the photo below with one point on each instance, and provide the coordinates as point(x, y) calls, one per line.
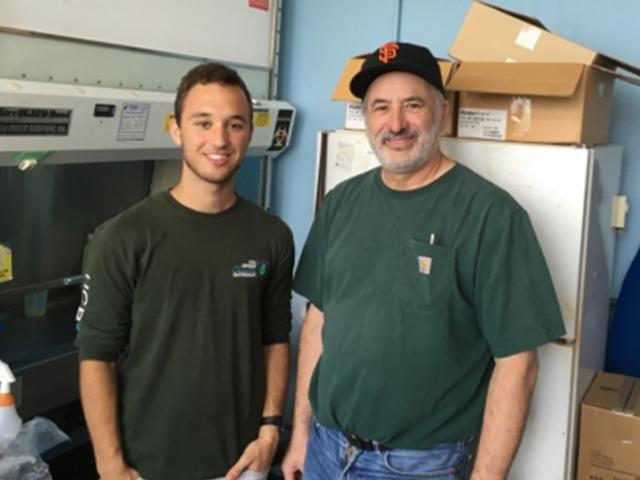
point(275, 420)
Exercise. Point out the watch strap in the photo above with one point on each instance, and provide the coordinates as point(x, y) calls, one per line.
point(276, 420)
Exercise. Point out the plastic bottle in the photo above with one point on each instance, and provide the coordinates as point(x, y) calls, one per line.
point(10, 422)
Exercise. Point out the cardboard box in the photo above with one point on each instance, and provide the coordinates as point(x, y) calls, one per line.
point(610, 429)
point(533, 102)
point(342, 92)
point(354, 119)
point(493, 34)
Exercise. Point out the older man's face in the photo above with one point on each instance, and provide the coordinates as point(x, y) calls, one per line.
point(403, 121)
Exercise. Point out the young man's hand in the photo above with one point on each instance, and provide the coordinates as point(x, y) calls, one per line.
point(258, 455)
point(119, 472)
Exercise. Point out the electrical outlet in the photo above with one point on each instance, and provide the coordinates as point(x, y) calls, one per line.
point(619, 209)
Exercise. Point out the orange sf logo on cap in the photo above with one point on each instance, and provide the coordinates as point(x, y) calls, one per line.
point(388, 51)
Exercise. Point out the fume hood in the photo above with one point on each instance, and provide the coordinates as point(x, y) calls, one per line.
point(63, 123)
point(97, 151)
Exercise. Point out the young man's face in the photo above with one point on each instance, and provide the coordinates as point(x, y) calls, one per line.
point(403, 121)
point(214, 133)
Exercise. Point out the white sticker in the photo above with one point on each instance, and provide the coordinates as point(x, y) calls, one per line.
point(133, 121)
point(482, 123)
point(354, 118)
point(344, 156)
point(528, 37)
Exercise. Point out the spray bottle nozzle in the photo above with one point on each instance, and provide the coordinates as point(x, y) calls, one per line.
point(6, 378)
point(10, 422)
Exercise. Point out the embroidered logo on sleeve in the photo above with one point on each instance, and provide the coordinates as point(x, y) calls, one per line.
point(84, 299)
point(424, 265)
point(251, 269)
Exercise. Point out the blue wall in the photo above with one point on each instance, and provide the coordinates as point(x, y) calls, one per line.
point(318, 37)
point(248, 179)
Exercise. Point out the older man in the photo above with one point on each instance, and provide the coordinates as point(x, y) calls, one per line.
point(429, 295)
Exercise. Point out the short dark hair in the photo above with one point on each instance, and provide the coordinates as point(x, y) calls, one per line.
point(205, 74)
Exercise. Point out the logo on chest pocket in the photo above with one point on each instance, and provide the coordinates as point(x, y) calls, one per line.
point(424, 273)
point(424, 265)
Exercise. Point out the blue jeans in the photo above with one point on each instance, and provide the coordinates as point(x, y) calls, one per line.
point(331, 457)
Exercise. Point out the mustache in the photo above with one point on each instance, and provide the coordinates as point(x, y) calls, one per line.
point(404, 133)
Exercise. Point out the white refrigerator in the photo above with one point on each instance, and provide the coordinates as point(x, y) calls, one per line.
point(569, 193)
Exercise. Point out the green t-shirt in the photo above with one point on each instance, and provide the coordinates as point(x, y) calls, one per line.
point(186, 301)
point(420, 290)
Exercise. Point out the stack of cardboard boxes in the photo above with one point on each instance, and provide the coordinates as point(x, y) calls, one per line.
point(516, 81)
point(610, 429)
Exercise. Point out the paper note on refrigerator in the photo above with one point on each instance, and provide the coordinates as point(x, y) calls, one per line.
point(344, 156)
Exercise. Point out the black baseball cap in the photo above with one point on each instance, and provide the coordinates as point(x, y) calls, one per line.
point(397, 57)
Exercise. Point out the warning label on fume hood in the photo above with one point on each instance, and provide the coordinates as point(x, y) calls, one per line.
point(6, 264)
point(259, 4)
point(281, 130)
point(133, 121)
point(34, 121)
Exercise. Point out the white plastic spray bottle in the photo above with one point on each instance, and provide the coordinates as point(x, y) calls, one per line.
point(10, 422)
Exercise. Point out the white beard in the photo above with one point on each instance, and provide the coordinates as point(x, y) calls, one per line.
point(421, 152)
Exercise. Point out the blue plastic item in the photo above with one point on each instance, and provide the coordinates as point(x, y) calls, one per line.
point(623, 343)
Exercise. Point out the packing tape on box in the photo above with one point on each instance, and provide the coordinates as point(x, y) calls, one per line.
point(520, 115)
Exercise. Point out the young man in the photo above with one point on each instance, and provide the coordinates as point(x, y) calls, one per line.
point(429, 295)
point(186, 314)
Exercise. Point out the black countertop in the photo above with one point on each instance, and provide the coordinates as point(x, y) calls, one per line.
point(27, 340)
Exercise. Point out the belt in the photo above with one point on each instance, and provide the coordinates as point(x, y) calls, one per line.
point(363, 443)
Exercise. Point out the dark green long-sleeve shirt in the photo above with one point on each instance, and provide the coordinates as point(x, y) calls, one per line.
point(186, 301)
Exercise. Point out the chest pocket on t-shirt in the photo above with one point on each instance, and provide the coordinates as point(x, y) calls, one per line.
point(424, 274)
